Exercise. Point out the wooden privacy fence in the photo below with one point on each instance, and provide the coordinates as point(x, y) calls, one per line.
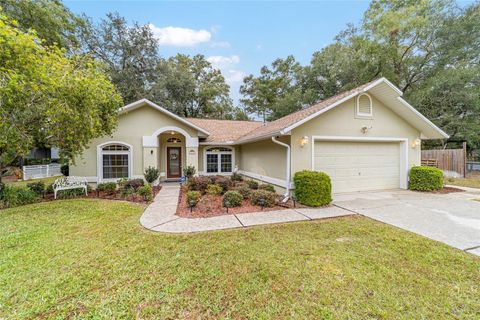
point(451, 161)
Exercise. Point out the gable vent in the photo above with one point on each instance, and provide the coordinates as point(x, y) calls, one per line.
point(364, 105)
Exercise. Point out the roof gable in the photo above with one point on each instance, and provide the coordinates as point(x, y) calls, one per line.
point(383, 89)
point(146, 102)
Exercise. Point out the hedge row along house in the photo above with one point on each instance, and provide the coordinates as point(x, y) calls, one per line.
point(366, 138)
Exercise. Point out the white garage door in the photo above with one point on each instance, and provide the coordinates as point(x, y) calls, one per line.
point(359, 166)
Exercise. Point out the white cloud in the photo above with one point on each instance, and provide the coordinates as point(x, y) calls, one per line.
point(180, 37)
point(222, 62)
point(233, 75)
point(227, 66)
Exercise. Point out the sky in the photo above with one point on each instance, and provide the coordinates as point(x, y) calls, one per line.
point(238, 37)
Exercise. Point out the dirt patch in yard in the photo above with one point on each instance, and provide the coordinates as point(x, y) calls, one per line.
point(445, 190)
point(211, 206)
point(95, 194)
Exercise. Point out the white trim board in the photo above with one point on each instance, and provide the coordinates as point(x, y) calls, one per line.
point(430, 123)
point(274, 181)
point(403, 145)
point(384, 80)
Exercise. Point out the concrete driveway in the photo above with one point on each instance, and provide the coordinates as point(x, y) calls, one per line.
point(450, 218)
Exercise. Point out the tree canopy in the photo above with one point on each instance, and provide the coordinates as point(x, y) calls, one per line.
point(130, 54)
point(52, 21)
point(191, 87)
point(430, 49)
point(47, 98)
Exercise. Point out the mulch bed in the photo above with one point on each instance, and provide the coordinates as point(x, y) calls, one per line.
point(445, 190)
point(117, 195)
point(211, 206)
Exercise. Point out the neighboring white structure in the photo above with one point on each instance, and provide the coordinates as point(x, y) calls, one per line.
point(41, 171)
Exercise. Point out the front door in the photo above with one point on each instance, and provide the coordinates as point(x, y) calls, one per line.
point(174, 162)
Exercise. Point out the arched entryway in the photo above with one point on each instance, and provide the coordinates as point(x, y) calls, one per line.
point(170, 149)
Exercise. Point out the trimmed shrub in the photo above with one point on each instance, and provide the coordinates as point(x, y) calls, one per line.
point(199, 183)
point(16, 196)
point(192, 198)
point(107, 187)
point(252, 184)
point(263, 198)
point(49, 189)
point(313, 188)
point(424, 178)
point(267, 187)
point(189, 171)
point(213, 189)
point(244, 190)
point(223, 182)
point(133, 184)
point(151, 174)
point(126, 192)
point(235, 177)
point(37, 187)
point(146, 192)
point(232, 199)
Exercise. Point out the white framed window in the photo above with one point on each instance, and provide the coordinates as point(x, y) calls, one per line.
point(114, 161)
point(219, 160)
point(364, 107)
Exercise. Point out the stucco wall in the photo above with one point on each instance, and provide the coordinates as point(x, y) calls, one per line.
point(341, 121)
point(264, 158)
point(132, 126)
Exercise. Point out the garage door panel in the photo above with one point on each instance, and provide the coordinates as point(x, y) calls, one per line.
point(357, 166)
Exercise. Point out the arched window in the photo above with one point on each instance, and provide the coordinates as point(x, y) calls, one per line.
point(364, 105)
point(174, 140)
point(115, 161)
point(219, 160)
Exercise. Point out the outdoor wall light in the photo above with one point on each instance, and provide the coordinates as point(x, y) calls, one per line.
point(416, 143)
point(365, 129)
point(303, 141)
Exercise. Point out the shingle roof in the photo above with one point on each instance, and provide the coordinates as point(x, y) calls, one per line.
point(238, 131)
point(225, 130)
point(284, 122)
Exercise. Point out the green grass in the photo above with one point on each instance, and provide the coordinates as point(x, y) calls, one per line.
point(473, 182)
point(22, 183)
point(92, 259)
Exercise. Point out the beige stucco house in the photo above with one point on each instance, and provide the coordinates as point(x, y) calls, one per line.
point(365, 139)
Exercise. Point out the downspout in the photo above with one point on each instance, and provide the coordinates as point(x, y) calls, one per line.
point(288, 178)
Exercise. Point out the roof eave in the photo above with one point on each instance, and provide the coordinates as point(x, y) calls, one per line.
point(387, 82)
point(262, 137)
point(141, 102)
point(441, 134)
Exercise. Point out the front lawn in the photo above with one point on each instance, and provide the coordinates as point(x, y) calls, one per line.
point(92, 259)
point(23, 183)
point(473, 182)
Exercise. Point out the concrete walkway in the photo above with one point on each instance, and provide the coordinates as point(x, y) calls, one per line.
point(160, 216)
